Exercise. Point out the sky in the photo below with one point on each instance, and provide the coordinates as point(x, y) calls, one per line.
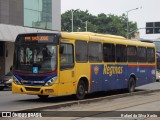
point(148, 10)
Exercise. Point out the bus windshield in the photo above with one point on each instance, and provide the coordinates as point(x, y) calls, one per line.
point(35, 58)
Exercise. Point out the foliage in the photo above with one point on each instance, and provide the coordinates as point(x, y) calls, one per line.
point(102, 23)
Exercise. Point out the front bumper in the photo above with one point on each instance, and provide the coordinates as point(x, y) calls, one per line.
point(35, 90)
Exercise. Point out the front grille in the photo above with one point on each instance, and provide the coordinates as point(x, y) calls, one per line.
point(32, 89)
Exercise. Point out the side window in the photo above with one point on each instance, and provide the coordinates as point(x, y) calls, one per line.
point(81, 51)
point(108, 52)
point(141, 54)
point(132, 54)
point(95, 51)
point(66, 56)
point(150, 55)
point(121, 53)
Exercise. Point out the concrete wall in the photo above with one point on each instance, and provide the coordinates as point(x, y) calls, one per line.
point(56, 15)
point(11, 12)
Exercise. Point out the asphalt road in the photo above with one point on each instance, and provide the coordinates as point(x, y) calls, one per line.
point(15, 102)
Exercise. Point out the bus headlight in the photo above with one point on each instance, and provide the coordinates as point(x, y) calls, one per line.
point(16, 81)
point(51, 81)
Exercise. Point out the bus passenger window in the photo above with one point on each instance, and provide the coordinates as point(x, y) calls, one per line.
point(142, 54)
point(81, 51)
point(150, 55)
point(108, 52)
point(66, 56)
point(95, 52)
point(121, 53)
point(132, 54)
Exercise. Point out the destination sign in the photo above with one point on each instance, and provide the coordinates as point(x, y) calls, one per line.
point(35, 38)
point(38, 38)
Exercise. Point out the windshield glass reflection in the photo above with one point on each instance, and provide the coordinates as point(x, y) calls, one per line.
point(38, 58)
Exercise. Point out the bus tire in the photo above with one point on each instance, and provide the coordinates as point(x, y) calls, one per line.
point(80, 93)
point(131, 85)
point(43, 96)
point(1, 89)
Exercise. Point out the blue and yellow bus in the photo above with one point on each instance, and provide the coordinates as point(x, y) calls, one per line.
point(157, 44)
point(61, 63)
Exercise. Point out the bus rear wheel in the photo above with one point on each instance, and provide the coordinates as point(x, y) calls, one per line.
point(80, 94)
point(131, 85)
point(43, 96)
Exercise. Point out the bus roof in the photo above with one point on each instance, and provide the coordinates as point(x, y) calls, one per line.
point(100, 35)
point(89, 36)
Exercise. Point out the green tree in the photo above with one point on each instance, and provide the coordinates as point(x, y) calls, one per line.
point(102, 23)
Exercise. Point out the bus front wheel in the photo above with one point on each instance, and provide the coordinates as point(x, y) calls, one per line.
point(131, 85)
point(80, 94)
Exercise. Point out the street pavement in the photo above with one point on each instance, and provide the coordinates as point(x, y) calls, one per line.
point(147, 106)
point(13, 102)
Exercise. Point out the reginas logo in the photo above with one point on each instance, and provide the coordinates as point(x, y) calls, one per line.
point(96, 70)
point(110, 70)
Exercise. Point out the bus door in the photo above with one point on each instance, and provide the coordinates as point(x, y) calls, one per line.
point(111, 72)
point(121, 71)
point(141, 74)
point(110, 78)
point(151, 65)
point(97, 79)
point(66, 74)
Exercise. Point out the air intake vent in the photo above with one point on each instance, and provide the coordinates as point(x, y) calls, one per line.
point(32, 89)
